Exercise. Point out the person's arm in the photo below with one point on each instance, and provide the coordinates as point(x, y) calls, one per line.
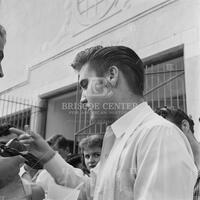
point(9, 168)
point(65, 174)
point(68, 176)
point(195, 147)
point(165, 166)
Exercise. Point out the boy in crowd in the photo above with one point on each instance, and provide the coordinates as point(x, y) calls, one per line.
point(186, 124)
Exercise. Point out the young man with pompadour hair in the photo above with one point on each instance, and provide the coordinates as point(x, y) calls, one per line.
point(144, 157)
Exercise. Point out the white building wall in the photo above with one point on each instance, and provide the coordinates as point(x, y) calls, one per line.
point(147, 26)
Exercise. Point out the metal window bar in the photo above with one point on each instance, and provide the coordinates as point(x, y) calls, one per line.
point(11, 109)
point(183, 88)
point(170, 88)
point(32, 114)
point(177, 92)
point(101, 128)
point(152, 100)
point(26, 115)
point(17, 111)
point(163, 84)
point(164, 87)
point(7, 108)
point(3, 106)
point(85, 118)
point(23, 113)
point(158, 82)
point(184, 97)
point(80, 118)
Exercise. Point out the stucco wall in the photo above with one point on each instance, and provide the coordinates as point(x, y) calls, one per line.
point(55, 32)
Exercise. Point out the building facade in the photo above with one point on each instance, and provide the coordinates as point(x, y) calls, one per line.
point(48, 34)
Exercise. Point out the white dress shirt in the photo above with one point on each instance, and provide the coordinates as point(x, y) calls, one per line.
point(46, 181)
point(144, 157)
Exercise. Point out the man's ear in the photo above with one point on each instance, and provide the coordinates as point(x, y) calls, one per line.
point(112, 75)
point(185, 126)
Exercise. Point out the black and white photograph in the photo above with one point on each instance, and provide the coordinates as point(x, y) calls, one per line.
point(99, 100)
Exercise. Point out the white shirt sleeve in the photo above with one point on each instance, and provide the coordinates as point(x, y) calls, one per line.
point(165, 166)
point(66, 175)
point(63, 173)
point(44, 179)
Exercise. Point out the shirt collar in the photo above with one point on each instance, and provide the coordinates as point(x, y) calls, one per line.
point(130, 119)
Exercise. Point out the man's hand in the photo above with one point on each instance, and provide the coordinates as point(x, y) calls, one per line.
point(9, 168)
point(35, 144)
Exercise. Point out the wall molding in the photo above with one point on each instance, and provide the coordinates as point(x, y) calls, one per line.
point(86, 41)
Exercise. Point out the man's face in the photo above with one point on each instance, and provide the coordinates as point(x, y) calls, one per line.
point(1, 55)
point(95, 93)
point(92, 157)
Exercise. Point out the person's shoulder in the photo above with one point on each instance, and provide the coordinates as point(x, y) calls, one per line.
point(157, 127)
point(154, 126)
point(156, 121)
point(158, 132)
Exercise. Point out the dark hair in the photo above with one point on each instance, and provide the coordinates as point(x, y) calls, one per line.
point(127, 61)
point(3, 33)
point(84, 56)
point(77, 161)
point(4, 129)
point(91, 142)
point(52, 140)
point(176, 116)
point(61, 142)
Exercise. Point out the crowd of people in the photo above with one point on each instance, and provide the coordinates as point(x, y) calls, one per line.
point(31, 183)
point(144, 155)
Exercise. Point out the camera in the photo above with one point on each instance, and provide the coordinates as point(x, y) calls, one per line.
point(14, 148)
